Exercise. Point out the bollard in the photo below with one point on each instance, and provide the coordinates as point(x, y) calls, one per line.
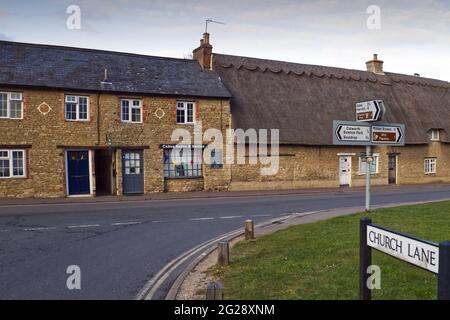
point(214, 291)
point(223, 253)
point(249, 230)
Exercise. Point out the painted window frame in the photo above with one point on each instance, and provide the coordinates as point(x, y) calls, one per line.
point(77, 107)
point(435, 135)
point(8, 104)
point(376, 157)
point(182, 105)
point(130, 109)
point(10, 158)
point(430, 165)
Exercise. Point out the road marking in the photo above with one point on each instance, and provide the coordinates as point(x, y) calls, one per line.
point(261, 215)
point(39, 229)
point(84, 226)
point(201, 219)
point(125, 223)
point(230, 217)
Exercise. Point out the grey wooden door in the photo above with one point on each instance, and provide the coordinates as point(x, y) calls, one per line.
point(133, 172)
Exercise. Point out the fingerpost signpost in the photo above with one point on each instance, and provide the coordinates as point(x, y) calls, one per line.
point(368, 131)
point(430, 256)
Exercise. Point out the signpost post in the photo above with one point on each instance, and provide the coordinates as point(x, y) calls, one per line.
point(424, 254)
point(366, 131)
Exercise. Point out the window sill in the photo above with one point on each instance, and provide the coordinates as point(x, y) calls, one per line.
point(182, 178)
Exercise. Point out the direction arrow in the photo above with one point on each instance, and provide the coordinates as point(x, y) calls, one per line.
point(370, 110)
point(351, 133)
point(392, 134)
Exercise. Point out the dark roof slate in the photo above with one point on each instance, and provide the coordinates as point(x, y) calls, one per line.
point(83, 69)
point(303, 100)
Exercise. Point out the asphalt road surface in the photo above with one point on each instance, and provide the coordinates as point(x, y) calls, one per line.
point(119, 246)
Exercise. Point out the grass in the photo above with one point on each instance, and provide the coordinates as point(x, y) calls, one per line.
point(321, 260)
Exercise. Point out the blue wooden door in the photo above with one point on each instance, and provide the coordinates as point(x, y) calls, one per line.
point(133, 172)
point(78, 172)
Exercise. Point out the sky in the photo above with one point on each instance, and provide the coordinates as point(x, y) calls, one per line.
point(411, 36)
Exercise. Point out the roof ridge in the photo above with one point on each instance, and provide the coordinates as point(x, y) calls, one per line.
point(361, 72)
point(51, 46)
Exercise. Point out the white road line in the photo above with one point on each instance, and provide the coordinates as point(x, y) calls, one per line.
point(261, 215)
point(201, 219)
point(230, 217)
point(84, 226)
point(125, 223)
point(39, 229)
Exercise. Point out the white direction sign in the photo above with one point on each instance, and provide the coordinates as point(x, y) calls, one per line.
point(392, 134)
point(418, 252)
point(351, 133)
point(370, 110)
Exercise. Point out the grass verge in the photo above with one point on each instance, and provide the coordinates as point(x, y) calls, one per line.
point(321, 260)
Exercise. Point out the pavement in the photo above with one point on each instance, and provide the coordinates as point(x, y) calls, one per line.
point(120, 244)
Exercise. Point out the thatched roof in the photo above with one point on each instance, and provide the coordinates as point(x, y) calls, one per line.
point(303, 100)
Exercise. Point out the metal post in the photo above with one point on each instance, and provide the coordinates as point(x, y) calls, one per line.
point(444, 271)
point(365, 260)
point(368, 176)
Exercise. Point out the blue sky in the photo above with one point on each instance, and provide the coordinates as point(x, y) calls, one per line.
point(414, 36)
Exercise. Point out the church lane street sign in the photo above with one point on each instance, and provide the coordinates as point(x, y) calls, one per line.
point(430, 256)
point(370, 110)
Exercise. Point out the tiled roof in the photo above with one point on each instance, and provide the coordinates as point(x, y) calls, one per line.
point(84, 69)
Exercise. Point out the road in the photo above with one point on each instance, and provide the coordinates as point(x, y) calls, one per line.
point(119, 246)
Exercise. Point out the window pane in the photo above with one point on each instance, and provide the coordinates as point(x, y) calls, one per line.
point(190, 112)
point(16, 96)
point(18, 160)
point(71, 99)
point(125, 110)
point(136, 115)
point(83, 108)
point(3, 105)
point(4, 168)
point(71, 111)
point(16, 109)
point(180, 116)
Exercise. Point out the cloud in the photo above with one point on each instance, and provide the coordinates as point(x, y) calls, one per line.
point(5, 37)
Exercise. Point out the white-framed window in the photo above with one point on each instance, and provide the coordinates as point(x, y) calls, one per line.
point(185, 112)
point(11, 105)
point(12, 164)
point(131, 110)
point(430, 165)
point(373, 164)
point(434, 134)
point(77, 108)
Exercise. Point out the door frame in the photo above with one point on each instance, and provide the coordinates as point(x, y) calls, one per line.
point(141, 151)
point(350, 156)
point(396, 167)
point(91, 185)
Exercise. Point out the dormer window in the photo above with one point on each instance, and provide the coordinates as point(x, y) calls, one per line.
point(434, 135)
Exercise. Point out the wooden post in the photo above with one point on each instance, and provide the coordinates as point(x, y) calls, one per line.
point(365, 260)
point(214, 291)
point(223, 254)
point(249, 230)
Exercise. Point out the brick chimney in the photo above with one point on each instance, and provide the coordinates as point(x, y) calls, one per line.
point(375, 65)
point(203, 54)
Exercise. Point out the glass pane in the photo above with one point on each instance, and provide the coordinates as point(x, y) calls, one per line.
point(71, 99)
point(82, 108)
point(18, 163)
point(180, 116)
point(3, 105)
point(16, 96)
point(16, 109)
point(4, 168)
point(190, 112)
point(125, 110)
point(3, 154)
point(71, 111)
point(136, 115)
